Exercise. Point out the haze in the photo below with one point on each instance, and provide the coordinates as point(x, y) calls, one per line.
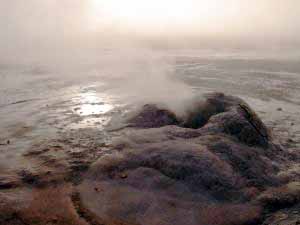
point(50, 24)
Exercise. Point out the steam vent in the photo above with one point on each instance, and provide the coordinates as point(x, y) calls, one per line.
point(216, 165)
point(219, 165)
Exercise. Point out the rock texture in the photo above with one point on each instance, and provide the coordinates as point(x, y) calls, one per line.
point(217, 165)
point(151, 116)
point(225, 114)
point(207, 168)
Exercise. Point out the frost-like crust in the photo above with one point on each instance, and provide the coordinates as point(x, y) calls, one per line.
point(203, 169)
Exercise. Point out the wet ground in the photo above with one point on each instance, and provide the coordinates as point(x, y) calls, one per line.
point(54, 127)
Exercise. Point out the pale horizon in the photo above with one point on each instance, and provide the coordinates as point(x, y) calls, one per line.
point(234, 23)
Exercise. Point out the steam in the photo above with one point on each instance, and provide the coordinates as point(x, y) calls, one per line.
point(135, 75)
point(142, 76)
point(56, 34)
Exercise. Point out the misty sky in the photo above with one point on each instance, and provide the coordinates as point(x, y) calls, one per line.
point(31, 23)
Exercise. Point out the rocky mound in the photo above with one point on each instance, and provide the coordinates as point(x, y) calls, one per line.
point(204, 169)
point(225, 114)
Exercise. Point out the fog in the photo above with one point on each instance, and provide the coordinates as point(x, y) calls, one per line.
point(41, 26)
point(66, 34)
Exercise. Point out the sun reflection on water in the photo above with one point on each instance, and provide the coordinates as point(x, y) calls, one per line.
point(91, 104)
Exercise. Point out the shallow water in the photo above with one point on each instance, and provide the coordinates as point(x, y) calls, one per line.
point(39, 102)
